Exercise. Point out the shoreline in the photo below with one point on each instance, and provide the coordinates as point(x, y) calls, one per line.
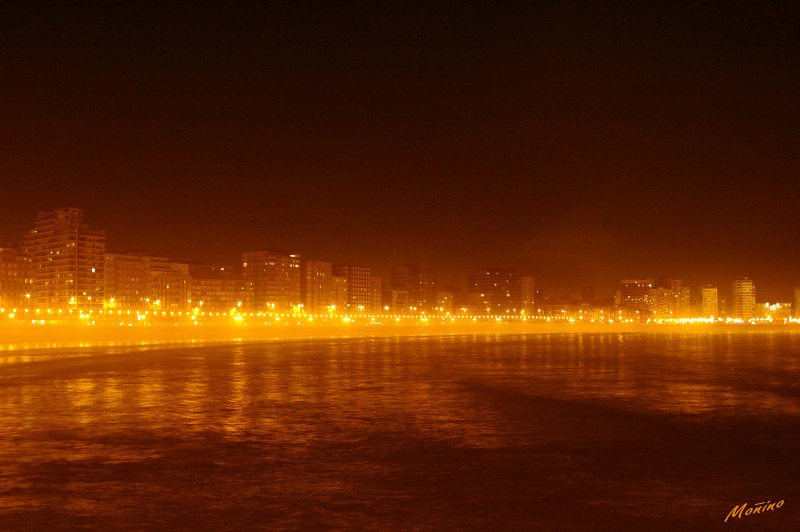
point(36, 336)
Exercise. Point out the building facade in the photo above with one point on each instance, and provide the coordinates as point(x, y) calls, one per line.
point(444, 302)
point(359, 287)
point(318, 293)
point(141, 282)
point(669, 299)
point(376, 295)
point(419, 283)
point(709, 302)
point(67, 261)
point(15, 282)
point(633, 298)
point(275, 279)
point(796, 303)
point(217, 288)
point(495, 291)
point(527, 295)
point(127, 281)
point(170, 285)
point(743, 299)
point(339, 295)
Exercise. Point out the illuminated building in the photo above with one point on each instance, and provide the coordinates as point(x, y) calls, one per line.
point(553, 305)
point(773, 311)
point(398, 301)
point(376, 294)
point(318, 290)
point(669, 299)
point(14, 279)
point(359, 286)
point(600, 311)
point(275, 278)
point(633, 298)
point(495, 291)
point(796, 303)
point(444, 301)
point(67, 260)
point(420, 283)
point(339, 293)
point(527, 294)
point(127, 281)
point(218, 288)
point(661, 303)
point(136, 281)
point(684, 302)
point(169, 284)
point(709, 302)
point(743, 299)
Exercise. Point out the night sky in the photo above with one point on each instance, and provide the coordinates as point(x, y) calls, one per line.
point(580, 142)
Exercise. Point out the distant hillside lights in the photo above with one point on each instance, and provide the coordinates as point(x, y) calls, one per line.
point(62, 268)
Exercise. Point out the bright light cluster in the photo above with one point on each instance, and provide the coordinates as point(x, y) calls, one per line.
point(197, 316)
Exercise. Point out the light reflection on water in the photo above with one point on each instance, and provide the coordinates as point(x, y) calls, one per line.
point(629, 431)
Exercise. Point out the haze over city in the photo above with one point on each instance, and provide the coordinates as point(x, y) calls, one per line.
point(579, 145)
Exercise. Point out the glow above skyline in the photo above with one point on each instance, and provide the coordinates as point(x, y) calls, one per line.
point(581, 145)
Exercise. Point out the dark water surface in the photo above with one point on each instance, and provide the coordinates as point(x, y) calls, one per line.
point(540, 432)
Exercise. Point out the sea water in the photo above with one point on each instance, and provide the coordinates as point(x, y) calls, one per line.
point(527, 432)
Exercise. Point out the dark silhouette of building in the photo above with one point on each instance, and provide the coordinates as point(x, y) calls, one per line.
point(495, 291)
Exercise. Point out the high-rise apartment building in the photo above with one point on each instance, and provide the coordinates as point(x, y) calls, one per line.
point(495, 291)
point(340, 292)
point(444, 302)
point(668, 298)
point(743, 299)
point(170, 284)
point(633, 298)
point(67, 261)
point(398, 301)
point(796, 303)
point(275, 278)
point(661, 303)
point(14, 279)
point(137, 281)
point(684, 308)
point(709, 301)
point(127, 281)
point(359, 287)
point(318, 290)
point(218, 288)
point(527, 295)
point(376, 294)
point(419, 283)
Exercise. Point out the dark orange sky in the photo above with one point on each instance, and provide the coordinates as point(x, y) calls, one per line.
point(579, 143)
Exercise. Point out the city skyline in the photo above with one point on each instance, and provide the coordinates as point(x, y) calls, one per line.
point(580, 144)
point(779, 289)
point(64, 263)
